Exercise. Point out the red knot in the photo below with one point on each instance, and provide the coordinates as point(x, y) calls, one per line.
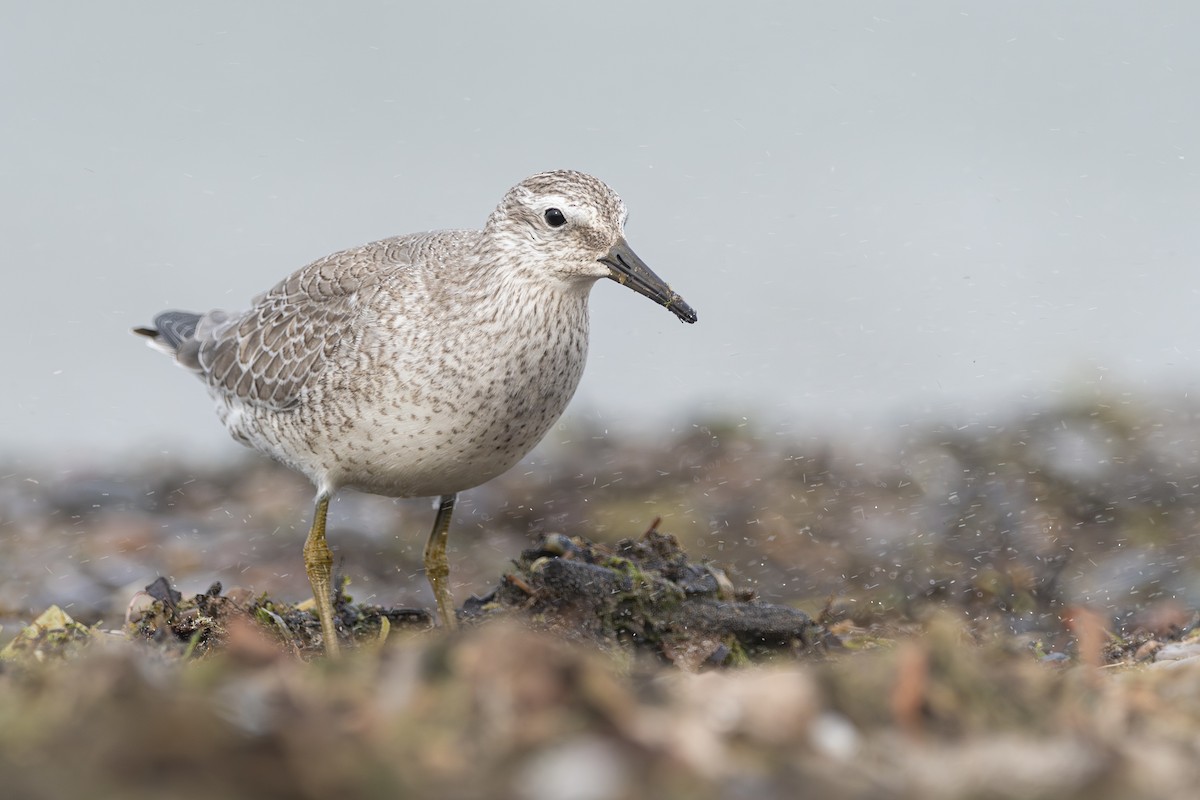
point(420, 365)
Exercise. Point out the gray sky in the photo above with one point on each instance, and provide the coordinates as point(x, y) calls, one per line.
point(874, 209)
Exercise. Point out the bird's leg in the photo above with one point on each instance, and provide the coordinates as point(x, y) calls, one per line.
point(437, 570)
point(318, 563)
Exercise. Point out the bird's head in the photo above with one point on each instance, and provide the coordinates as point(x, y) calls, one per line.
point(571, 226)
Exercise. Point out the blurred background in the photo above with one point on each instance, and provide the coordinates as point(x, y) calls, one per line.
point(943, 258)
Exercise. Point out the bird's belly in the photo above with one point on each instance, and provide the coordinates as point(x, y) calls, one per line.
point(400, 448)
point(411, 452)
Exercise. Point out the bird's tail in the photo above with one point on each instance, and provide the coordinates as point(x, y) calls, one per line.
point(171, 329)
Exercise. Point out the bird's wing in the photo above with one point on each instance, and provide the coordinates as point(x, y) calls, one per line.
point(268, 353)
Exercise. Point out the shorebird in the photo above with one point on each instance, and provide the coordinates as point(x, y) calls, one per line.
point(419, 365)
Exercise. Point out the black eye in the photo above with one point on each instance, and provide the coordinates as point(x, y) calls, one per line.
point(555, 218)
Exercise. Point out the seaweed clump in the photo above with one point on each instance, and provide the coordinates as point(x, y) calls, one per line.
point(647, 595)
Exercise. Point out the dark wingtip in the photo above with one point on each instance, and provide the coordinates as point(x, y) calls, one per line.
point(173, 327)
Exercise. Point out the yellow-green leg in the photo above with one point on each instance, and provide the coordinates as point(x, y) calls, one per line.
point(318, 563)
point(437, 570)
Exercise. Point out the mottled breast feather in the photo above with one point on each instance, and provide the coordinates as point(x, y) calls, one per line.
point(267, 354)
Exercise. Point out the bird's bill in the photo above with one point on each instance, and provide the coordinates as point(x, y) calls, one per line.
point(629, 270)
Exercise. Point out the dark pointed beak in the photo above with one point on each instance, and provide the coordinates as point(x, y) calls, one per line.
point(629, 270)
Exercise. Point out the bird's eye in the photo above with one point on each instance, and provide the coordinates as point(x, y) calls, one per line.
point(555, 218)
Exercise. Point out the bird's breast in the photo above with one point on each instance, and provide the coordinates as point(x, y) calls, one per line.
point(453, 408)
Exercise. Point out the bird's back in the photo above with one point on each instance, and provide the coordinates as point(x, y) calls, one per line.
point(269, 353)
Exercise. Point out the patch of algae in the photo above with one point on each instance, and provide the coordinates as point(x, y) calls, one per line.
point(54, 635)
